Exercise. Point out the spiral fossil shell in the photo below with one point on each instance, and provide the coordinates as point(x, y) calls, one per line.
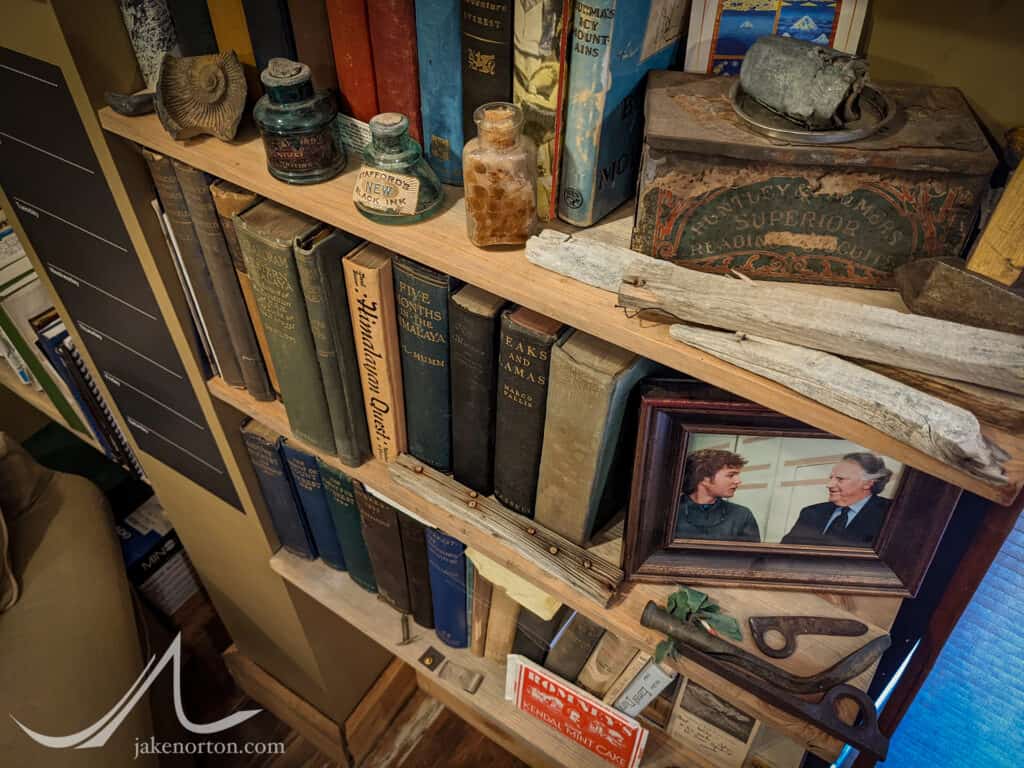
point(198, 95)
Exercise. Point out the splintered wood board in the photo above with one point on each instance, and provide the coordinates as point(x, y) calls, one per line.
point(441, 243)
point(623, 618)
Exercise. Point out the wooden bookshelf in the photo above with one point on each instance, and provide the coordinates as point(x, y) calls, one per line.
point(623, 617)
point(41, 402)
point(487, 708)
point(441, 242)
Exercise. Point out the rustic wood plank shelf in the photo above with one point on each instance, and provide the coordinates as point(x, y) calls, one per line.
point(623, 617)
point(527, 737)
point(41, 402)
point(441, 243)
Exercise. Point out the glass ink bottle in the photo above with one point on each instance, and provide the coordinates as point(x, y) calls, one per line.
point(499, 168)
point(297, 125)
point(395, 184)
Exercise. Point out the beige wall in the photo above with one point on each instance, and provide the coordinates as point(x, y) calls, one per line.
point(977, 46)
point(231, 550)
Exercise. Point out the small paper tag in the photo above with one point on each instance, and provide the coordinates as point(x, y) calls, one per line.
point(386, 192)
point(354, 134)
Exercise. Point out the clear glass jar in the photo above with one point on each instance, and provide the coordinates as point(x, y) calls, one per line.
point(395, 184)
point(297, 125)
point(499, 168)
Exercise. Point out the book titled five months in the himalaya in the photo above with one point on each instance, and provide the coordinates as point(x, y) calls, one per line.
point(341, 501)
point(289, 522)
point(474, 323)
point(371, 302)
point(267, 233)
point(523, 360)
point(421, 294)
point(615, 44)
point(309, 491)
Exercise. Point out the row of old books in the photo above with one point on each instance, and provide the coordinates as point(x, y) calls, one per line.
point(576, 69)
point(35, 345)
point(319, 512)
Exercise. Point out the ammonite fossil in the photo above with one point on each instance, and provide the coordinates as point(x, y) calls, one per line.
point(198, 95)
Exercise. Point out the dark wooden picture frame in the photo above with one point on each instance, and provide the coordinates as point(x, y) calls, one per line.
point(895, 565)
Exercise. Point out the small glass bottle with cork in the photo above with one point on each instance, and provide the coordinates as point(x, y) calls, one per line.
point(395, 184)
point(297, 125)
point(499, 168)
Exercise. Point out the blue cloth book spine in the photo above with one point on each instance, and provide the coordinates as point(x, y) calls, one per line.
point(439, 43)
point(341, 500)
point(446, 561)
point(292, 529)
point(612, 52)
point(309, 491)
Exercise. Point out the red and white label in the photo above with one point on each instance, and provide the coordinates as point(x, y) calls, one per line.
point(609, 734)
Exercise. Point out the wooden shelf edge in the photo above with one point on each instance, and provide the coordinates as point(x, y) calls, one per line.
point(624, 617)
point(41, 402)
point(377, 620)
point(441, 243)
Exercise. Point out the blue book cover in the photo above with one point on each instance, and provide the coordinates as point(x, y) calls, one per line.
point(341, 500)
point(614, 45)
point(438, 42)
point(285, 513)
point(48, 340)
point(446, 560)
point(309, 491)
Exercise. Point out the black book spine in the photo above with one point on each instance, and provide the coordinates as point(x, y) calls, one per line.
point(422, 297)
point(486, 56)
point(270, 30)
point(417, 570)
point(193, 27)
point(474, 340)
point(384, 543)
point(573, 647)
point(523, 363)
point(534, 634)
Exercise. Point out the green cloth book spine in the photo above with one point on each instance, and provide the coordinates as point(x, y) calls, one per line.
point(318, 258)
point(39, 373)
point(266, 233)
point(341, 500)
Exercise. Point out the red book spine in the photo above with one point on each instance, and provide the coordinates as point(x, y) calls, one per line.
point(353, 58)
point(393, 35)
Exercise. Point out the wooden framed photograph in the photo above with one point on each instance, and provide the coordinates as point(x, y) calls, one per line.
point(726, 491)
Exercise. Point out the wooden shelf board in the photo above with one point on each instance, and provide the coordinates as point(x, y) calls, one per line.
point(441, 242)
point(623, 618)
point(531, 740)
point(40, 401)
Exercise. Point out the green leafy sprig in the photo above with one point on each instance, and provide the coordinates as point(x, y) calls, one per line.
point(696, 608)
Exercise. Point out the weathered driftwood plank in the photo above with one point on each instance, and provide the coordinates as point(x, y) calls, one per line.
point(991, 406)
point(941, 430)
point(785, 313)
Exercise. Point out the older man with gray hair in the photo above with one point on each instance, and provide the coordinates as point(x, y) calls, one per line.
point(854, 512)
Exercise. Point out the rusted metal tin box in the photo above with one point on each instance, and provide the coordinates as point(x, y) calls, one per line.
point(715, 195)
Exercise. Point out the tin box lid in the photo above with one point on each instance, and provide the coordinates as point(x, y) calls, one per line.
point(934, 131)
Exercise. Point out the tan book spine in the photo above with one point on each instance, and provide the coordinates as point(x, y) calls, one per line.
point(605, 664)
point(371, 299)
point(625, 678)
point(482, 590)
point(501, 626)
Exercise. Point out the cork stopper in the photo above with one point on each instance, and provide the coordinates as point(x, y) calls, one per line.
point(388, 129)
point(498, 124)
point(281, 72)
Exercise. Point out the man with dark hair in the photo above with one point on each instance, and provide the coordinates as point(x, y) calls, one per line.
point(854, 512)
point(709, 478)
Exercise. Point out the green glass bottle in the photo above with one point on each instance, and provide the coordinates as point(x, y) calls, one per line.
point(395, 184)
point(297, 125)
